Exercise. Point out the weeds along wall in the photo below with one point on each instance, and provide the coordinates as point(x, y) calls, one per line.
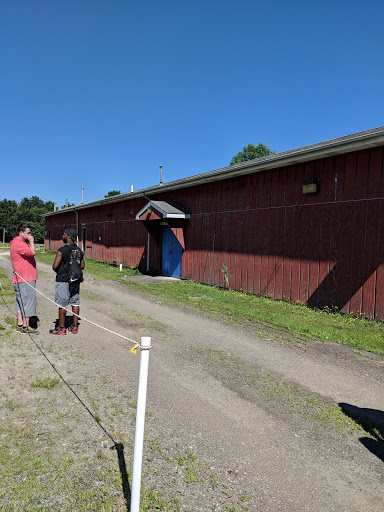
point(260, 233)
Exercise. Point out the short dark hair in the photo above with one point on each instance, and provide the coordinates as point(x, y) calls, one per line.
point(22, 227)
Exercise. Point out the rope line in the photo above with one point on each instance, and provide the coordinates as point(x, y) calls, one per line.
point(115, 444)
point(2, 296)
point(81, 317)
point(74, 392)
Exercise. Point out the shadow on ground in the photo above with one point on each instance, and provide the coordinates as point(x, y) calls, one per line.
point(372, 421)
point(119, 447)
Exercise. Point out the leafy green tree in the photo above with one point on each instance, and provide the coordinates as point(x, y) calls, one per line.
point(8, 218)
point(31, 211)
point(113, 193)
point(251, 152)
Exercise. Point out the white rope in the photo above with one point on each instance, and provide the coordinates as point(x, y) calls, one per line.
point(81, 317)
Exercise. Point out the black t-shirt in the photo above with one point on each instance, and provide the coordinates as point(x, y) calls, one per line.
point(62, 275)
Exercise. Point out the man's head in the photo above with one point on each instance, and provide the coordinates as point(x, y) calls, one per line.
point(23, 231)
point(69, 233)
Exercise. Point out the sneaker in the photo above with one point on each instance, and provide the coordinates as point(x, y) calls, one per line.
point(28, 330)
point(19, 328)
point(61, 331)
point(73, 329)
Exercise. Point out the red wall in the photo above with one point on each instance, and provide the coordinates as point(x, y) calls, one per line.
point(111, 232)
point(322, 249)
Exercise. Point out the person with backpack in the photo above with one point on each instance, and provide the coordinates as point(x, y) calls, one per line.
point(68, 265)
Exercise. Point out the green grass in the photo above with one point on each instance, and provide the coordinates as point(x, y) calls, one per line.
point(324, 325)
point(35, 479)
point(7, 297)
point(47, 383)
point(142, 321)
point(5, 246)
point(253, 311)
point(92, 296)
point(100, 271)
point(39, 476)
point(11, 320)
point(269, 390)
point(6, 285)
point(106, 272)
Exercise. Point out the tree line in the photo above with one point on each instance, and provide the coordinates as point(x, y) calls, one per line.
point(29, 211)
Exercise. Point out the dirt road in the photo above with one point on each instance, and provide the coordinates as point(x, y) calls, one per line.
point(260, 414)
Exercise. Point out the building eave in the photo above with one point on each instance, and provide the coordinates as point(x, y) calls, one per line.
point(165, 215)
point(354, 142)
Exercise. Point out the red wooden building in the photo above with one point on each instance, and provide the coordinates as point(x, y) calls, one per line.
point(305, 225)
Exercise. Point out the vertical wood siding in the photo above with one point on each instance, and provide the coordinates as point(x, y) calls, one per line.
point(323, 249)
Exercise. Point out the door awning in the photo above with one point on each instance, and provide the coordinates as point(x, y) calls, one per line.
point(157, 210)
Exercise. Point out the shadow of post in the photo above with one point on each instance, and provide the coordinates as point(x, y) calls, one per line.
point(119, 447)
point(372, 421)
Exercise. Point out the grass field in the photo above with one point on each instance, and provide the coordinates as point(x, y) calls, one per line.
point(325, 325)
point(38, 247)
point(52, 459)
point(102, 271)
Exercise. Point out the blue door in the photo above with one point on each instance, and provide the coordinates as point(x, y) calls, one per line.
point(171, 254)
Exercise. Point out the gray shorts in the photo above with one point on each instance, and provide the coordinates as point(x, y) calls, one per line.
point(26, 298)
point(67, 293)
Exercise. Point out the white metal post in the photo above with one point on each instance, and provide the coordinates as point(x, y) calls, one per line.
point(145, 345)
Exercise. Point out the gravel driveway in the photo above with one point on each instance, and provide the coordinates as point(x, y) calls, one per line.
point(261, 416)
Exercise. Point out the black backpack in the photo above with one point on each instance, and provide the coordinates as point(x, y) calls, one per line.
point(74, 268)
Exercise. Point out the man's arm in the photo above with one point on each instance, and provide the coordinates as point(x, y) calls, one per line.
point(31, 244)
point(58, 259)
point(26, 250)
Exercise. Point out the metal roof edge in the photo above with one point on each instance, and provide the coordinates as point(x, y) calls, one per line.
point(166, 215)
point(104, 201)
point(348, 143)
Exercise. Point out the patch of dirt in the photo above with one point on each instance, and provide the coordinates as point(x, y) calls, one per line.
point(233, 419)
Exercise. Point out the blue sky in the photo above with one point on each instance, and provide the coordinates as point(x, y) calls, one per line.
point(99, 93)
